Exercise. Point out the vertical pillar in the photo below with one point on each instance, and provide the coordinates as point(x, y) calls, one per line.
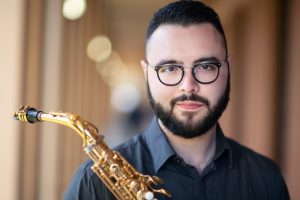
point(11, 23)
point(291, 148)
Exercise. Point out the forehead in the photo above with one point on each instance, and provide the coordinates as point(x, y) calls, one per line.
point(185, 43)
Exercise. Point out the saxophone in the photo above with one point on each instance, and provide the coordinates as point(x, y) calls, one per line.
point(114, 171)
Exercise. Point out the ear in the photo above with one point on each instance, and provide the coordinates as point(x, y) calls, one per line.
point(229, 59)
point(144, 66)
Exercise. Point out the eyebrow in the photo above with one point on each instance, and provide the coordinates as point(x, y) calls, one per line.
point(173, 61)
point(205, 59)
point(170, 61)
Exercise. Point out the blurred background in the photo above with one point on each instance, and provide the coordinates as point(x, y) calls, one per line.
point(82, 56)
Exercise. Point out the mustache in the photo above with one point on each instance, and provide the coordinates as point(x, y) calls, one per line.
point(192, 97)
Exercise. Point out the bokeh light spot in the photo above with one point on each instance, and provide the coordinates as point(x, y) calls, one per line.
point(74, 9)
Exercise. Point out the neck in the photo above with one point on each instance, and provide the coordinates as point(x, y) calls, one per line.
point(197, 151)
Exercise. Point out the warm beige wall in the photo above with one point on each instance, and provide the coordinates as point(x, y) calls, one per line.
point(58, 76)
point(11, 23)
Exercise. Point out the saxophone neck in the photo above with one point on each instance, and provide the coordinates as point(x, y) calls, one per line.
point(86, 130)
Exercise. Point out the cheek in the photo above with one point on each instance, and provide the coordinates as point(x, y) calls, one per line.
point(222, 82)
point(223, 78)
point(217, 89)
point(161, 93)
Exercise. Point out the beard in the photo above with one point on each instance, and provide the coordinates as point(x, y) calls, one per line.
point(189, 128)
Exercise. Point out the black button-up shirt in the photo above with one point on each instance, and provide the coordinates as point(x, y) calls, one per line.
point(235, 173)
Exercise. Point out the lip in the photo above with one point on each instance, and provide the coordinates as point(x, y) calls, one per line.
point(189, 105)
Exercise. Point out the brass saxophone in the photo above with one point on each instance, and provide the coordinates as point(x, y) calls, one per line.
point(114, 171)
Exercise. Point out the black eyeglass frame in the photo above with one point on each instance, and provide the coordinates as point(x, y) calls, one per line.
point(181, 67)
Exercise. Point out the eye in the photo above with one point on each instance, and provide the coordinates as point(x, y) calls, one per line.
point(206, 66)
point(168, 68)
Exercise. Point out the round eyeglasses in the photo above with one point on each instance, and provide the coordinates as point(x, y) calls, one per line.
point(204, 72)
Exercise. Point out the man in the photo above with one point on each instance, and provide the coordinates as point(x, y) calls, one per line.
point(188, 80)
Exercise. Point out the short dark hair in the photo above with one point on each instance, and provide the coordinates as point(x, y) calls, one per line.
point(185, 13)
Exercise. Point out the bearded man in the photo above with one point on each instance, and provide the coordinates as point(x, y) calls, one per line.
point(187, 72)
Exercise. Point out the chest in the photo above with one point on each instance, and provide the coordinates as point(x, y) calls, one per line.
point(215, 183)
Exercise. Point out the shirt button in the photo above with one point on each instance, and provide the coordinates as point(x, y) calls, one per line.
point(178, 160)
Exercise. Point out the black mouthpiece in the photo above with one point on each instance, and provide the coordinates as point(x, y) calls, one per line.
point(33, 115)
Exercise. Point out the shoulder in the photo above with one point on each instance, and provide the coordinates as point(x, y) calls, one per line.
point(86, 185)
point(257, 169)
point(136, 152)
point(243, 155)
point(138, 141)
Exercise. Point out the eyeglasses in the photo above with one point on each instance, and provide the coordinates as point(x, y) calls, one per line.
point(204, 72)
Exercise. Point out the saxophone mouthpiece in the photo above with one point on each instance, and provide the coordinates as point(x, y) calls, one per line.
point(27, 114)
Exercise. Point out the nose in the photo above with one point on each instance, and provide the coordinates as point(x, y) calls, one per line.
point(189, 83)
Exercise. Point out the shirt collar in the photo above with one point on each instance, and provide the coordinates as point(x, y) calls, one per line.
point(158, 145)
point(161, 150)
point(222, 146)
